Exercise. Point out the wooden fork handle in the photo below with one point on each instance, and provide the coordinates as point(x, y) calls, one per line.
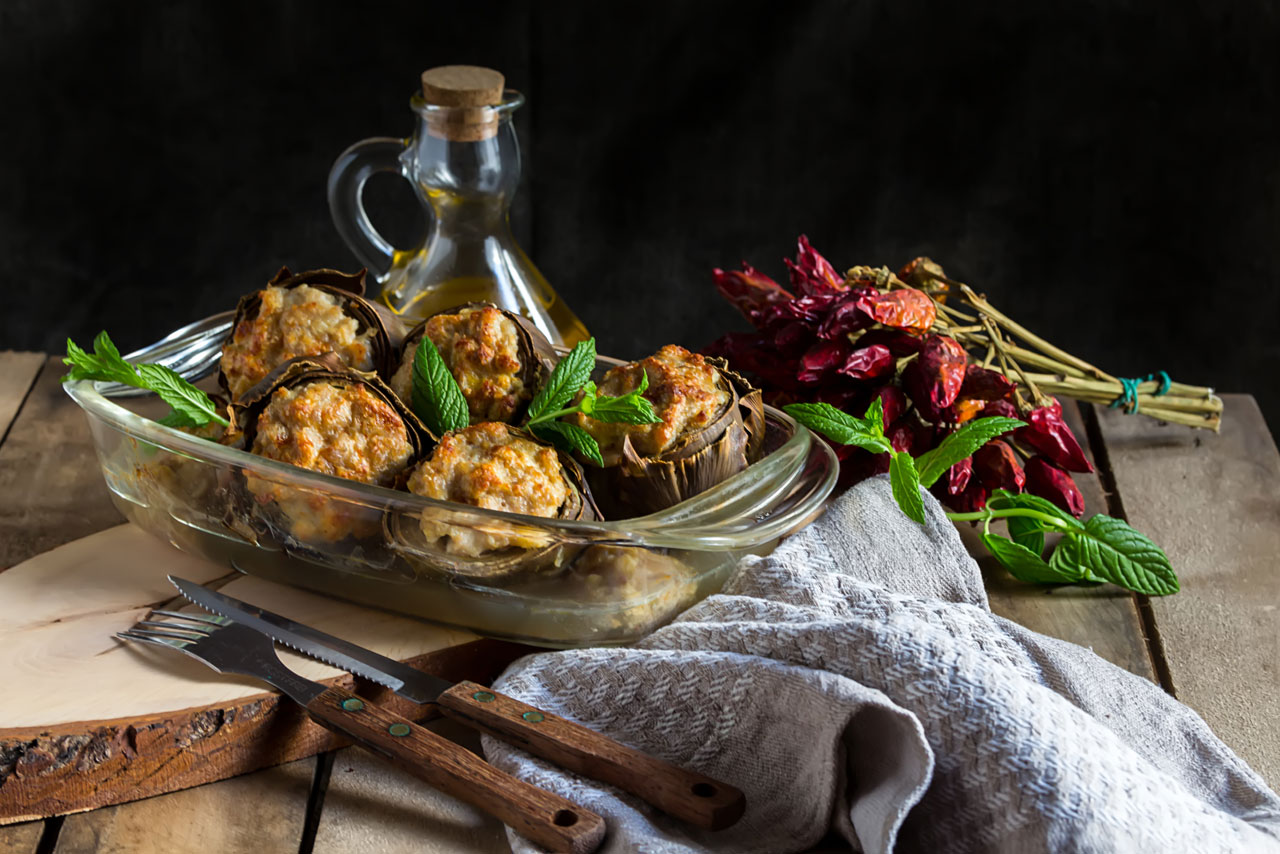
point(543, 817)
point(687, 795)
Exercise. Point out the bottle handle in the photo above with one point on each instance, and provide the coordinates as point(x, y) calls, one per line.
point(347, 178)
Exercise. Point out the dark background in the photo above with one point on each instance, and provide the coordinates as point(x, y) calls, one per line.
point(1109, 173)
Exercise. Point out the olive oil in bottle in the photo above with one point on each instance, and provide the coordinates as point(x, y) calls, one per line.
point(464, 162)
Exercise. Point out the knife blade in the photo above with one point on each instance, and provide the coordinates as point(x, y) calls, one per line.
point(404, 680)
point(684, 794)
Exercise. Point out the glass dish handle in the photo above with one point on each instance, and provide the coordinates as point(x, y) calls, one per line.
point(346, 198)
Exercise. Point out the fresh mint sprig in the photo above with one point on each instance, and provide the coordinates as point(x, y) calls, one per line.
point(190, 406)
point(573, 376)
point(437, 399)
point(1102, 549)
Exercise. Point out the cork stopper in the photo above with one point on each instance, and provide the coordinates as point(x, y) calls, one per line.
point(468, 91)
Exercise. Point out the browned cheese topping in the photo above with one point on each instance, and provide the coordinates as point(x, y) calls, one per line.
point(341, 430)
point(486, 465)
point(480, 346)
point(685, 390)
point(291, 322)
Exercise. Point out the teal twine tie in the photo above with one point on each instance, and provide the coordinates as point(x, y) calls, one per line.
point(1129, 395)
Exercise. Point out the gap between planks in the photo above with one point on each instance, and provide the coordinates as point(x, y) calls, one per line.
point(1115, 507)
point(1212, 502)
point(18, 375)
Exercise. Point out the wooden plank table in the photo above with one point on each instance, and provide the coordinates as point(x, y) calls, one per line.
point(1212, 501)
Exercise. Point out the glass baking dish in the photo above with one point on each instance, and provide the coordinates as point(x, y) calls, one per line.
point(582, 584)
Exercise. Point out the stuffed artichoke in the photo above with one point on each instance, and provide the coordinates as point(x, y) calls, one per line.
point(495, 467)
point(496, 357)
point(308, 314)
point(325, 417)
point(711, 427)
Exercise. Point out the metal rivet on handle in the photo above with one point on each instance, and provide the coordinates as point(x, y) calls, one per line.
point(533, 717)
point(398, 729)
point(483, 696)
point(352, 704)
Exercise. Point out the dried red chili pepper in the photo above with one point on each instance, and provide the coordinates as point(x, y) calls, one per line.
point(811, 273)
point(750, 353)
point(750, 291)
point(867, 363)
point(821, 359)
point(923, 273)
point(973, 498)
point(903, 438)
point(900, 344)
point(793, 339)
point(1047, 433)
point(938, 375)
point(906, 309)
point(957, 477)
point(857, 465)
point(964, 409)
point(847, 397)
point(1048, 481)
point(892, 403)
point(848, 315)
point(996, 465)
point(982, 384)
point(1002, 408)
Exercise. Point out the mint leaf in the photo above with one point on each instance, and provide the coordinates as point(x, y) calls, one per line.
point(1110, 550)
point(99, 366)
point(906, 485)
point(1025, 564)
point(177, 419)
point(960, 444)
point(875, 416)
point(437, 400)
point(182, 396)
point(839, 426)
point(191, 406)
point(1028, 533)
point(569, 437)
point(570, 374)
point(630, 408)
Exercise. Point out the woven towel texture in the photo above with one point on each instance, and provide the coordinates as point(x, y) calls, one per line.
point(854, 680)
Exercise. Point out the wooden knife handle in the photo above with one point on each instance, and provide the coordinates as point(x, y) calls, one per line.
point(687, 795)
point(544, 817)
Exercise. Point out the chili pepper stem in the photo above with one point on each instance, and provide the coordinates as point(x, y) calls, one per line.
point(1030, 337)
point(1008, 347)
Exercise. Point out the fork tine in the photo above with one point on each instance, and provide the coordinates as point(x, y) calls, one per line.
point(194, 616)
point(131, 635)
point(200, 631)
point(149, 633)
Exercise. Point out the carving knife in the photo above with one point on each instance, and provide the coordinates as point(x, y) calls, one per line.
point(687, 795)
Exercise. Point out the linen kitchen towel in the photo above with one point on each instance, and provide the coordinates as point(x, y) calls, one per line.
point(855, 680)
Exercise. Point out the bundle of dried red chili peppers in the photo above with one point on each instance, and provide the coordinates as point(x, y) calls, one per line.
point(937, 355)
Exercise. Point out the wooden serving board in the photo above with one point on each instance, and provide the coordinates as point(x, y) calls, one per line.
point(87, 720)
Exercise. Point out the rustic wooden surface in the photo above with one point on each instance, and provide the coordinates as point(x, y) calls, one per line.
point(1213, 503)
point(51, 490)
point(141, 721)
point(1104, 619)
point(21, 838)
point(372, 809)
point(1215, 643)
point(264, 812)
